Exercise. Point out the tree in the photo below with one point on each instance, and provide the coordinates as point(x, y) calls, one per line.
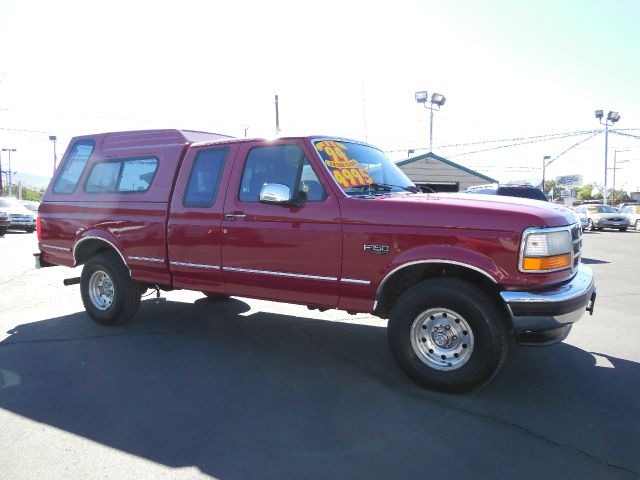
point(549, 186)
point(585, 192)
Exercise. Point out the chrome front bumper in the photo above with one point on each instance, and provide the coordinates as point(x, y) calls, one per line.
point(543, 317)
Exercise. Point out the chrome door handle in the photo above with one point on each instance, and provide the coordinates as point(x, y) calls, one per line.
point(231, 216)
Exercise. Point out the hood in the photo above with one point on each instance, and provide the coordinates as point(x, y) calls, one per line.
point(481, 211)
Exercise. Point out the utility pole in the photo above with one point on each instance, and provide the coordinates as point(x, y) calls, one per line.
point(277, 117)
point(10, 179)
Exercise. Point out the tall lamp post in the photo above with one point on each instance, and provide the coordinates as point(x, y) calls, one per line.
point(9, 150)
point(544, 167)
point(53, 138)
point(615, 162)
point(612, 117)
point(437, 101)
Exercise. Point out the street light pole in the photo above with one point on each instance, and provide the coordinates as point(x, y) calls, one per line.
point(612, 118)
point(615, 161)
point(10, 179)
point(53, 138)
point(544, 166)
point(437, 100)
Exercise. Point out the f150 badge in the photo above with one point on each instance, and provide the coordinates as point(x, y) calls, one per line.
point(377, 249)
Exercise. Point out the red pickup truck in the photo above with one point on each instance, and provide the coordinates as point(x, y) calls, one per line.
point(322, 222)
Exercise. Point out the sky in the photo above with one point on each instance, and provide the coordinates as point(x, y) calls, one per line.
point(509, 70)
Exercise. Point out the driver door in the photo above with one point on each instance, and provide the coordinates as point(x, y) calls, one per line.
point(292, 252)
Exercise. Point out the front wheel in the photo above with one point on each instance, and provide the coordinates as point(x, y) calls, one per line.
point(30, 229)
point(637, 224)
point(590, 225)
point(109, 295)
point(3, 230)
point(448, 335)
point(623, 229)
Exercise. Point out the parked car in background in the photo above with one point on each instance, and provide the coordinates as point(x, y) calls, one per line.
point(4, 221)
point(31, 205)
point(20, 217)
point(632, 212)
point(603, 216)
point(522, 191)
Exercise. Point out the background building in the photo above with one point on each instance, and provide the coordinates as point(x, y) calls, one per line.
point(440, 174)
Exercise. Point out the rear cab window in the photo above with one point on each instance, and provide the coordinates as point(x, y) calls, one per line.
point(204, 178)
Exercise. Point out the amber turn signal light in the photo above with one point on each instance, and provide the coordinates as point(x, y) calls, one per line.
point(546, 263)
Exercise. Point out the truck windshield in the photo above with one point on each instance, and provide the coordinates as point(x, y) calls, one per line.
point(362, 170)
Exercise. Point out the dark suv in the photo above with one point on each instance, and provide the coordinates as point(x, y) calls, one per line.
point(523, 191)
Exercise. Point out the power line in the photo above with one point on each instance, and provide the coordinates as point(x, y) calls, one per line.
point(573, 146)
point(575, 134)
point(550, 136)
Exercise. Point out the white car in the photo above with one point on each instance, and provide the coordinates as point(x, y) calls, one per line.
point(632, 212)
point(20, 217)
point(600, 217)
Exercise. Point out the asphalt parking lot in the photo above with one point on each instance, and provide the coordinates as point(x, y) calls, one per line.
point(250, 389)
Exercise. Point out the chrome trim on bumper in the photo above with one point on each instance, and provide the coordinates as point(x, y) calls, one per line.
point(549, 309)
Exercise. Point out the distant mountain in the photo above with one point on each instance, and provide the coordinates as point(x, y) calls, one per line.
point(30, 180)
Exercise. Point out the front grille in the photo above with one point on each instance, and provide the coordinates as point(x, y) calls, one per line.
point(17, 217)
point(615, 219)
point(576, 239)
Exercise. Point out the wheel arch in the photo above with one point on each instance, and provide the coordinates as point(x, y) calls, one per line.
point(89, 245)
point(407, 275)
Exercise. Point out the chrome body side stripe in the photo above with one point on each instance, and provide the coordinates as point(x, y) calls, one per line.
point(280, 274)
point(53, 247)
point(355, 281)
point(147, 259)
point(195, 265)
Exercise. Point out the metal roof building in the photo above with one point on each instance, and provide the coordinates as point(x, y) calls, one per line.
point(442, 175)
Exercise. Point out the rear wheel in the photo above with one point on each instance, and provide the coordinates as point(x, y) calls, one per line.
point(109, 295)
point(448, 335)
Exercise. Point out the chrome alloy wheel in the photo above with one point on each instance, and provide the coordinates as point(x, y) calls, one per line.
point(101, 290)
point(442, 339)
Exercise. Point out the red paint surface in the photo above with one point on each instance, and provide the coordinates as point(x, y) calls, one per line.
point(322, 239)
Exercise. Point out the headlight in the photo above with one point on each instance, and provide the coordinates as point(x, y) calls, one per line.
point(545, 251)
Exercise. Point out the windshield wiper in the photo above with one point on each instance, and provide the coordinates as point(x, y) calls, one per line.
point(410, 188)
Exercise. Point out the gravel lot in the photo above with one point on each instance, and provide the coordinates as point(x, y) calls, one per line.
point(251, 389)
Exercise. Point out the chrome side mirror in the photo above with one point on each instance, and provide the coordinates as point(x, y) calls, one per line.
point(275, 194)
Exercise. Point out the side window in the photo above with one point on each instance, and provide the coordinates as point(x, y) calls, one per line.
point(73, 167)
point(137, 174)
point(122, 176)
point(103, 177)
point(205, 178)
point(284, 164)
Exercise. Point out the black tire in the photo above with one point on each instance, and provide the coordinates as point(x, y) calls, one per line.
point(489, 340)
point(590, 225)
point(623, 229)
point(216, 297)
point(126, 292)
point(3, 230)
point(637, 224)
point(30, 230)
